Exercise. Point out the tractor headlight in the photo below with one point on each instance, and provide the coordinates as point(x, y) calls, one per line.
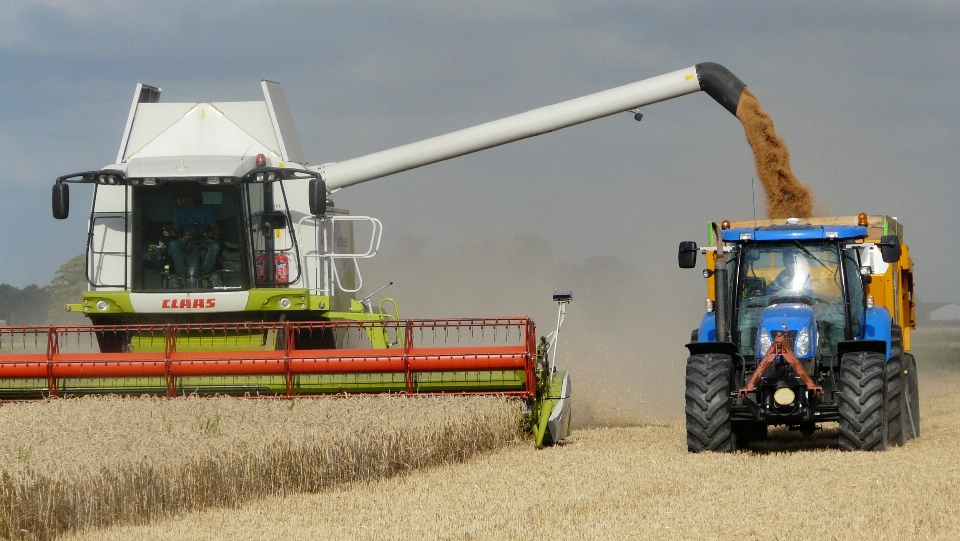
point(763, 337)
point(102, 305)
point(284, 303)
point(803, 342)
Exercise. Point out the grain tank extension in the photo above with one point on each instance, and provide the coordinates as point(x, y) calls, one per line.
point(807, 322)
point(217, 263)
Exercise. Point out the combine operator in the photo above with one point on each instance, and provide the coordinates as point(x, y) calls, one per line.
point(195, 230)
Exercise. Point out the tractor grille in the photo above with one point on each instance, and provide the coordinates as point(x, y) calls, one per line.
point(792, 341)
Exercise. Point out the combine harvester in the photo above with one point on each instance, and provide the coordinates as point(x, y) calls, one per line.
point(217, 265)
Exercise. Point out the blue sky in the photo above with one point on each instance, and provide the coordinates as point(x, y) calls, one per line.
point(865, 98)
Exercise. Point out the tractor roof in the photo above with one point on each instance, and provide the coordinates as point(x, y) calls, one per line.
point(773, 233)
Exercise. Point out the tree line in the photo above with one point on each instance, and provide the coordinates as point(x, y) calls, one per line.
point(33, 304)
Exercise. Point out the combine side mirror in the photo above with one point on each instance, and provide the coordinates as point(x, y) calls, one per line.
point(687, 256)
point(890, 249)
point(274, 220)
point(61, 201)
point(318, 197)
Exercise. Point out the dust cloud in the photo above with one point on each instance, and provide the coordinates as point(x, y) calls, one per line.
point(786, 196)
point(626, 361)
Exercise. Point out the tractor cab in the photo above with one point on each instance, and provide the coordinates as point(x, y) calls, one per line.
point(793, 333)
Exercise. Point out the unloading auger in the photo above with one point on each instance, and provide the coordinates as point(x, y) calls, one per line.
point(217, 264)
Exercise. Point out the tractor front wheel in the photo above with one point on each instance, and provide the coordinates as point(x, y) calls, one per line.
point(862, 426)
point(894, 407)
point(708, 404)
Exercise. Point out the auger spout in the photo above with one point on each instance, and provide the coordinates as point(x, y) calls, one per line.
point(714, 79)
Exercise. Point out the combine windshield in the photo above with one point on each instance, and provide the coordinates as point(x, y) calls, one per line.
point(808, 273)
point(189, 237)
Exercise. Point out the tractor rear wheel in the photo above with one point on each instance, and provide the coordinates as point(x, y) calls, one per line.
point(911, 397)
point(708, 404)
point(861, 402)
point(894, 407)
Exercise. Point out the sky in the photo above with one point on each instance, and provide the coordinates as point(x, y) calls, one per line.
point(865, 98)
point(863, 94)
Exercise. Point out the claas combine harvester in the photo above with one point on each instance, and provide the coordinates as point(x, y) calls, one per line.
point(218, 264)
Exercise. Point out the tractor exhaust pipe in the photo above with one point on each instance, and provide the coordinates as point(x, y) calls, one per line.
point(721, 306)
point(714, 79)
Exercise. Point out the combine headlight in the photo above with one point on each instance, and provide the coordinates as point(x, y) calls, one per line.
point(763, 337)
point(259, 177)
point(102, 305)
point(213, 180)
point(803, 342)
point(271, 177)
point(149, 181)
point(284, 303)
point(784, 396)
point(746, 236)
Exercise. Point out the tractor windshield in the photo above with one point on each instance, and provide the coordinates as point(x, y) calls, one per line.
point(791, 272)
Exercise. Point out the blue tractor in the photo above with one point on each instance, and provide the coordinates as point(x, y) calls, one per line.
point(806, 322)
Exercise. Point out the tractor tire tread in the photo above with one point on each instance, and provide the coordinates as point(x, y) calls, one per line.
point(861, 402)
point(708, 404)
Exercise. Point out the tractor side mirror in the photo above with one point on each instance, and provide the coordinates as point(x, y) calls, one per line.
point(687, 256)
point(890, 249)
point(318, 197)
point(61, 201)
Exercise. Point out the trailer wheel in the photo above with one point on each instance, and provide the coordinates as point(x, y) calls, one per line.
point(894, 407)
point(708, 404)
point(861, 402)
point(911, 398)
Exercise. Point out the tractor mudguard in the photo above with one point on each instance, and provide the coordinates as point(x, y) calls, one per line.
point(878, 324)
point(703, 348)
point(708, 328)
point(869, 346)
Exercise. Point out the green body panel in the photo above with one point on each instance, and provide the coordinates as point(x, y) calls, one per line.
point(269, 299)
point(153, 342)
point(118, 302)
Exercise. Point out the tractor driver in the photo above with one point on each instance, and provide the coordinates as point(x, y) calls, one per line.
point(194, 229)
point(794, 278)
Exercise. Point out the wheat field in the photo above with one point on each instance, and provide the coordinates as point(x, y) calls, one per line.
point(634, 483)
point(81, 463)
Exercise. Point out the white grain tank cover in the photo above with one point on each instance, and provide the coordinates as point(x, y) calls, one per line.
point(283, 124)
point(211, 129)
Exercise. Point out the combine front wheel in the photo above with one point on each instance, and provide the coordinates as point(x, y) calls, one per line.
point(708, 404)
point(861, 402)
